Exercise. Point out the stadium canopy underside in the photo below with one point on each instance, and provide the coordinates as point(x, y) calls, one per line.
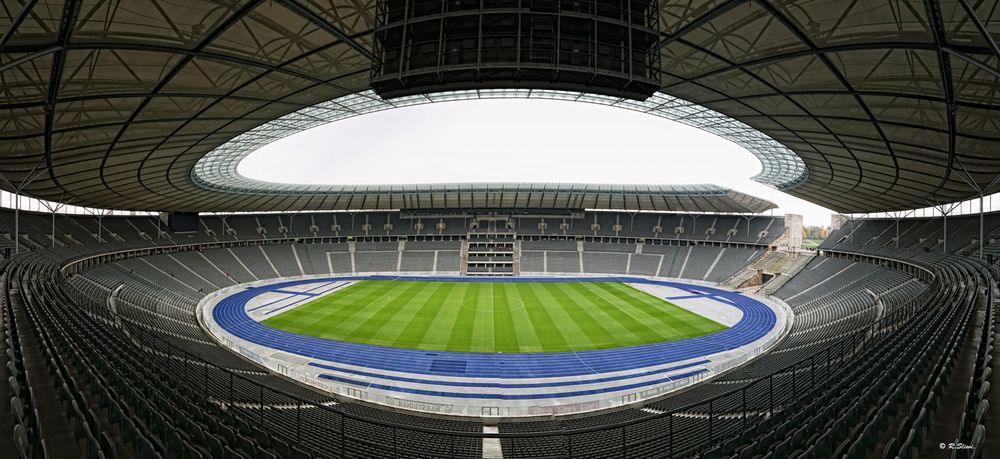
point(531, 196)
point(888, 104)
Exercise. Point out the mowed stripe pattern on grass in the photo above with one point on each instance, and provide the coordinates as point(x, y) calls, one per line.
point(505, 317)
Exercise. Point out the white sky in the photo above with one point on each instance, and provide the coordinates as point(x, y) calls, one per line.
point(515, 140)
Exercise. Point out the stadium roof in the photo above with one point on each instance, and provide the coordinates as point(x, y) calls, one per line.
point(218, 169)
point(889, 105)
point(526, 196)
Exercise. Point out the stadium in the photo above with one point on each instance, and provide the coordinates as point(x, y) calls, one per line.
point(160, 301)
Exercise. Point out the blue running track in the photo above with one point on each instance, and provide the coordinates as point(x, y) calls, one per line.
point(758, 319)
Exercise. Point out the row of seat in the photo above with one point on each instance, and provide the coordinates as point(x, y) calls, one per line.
point(972, 427)
point(154, 418)
point(926, 381)
point(864, 402)
point(79, 231)
point(27, 435)
point(822, 426)
point(915, 235)
point(765, 403)
point(166, 324)
point(915, 424)
point(964, 418)
point(74, 318)
point(242, 400)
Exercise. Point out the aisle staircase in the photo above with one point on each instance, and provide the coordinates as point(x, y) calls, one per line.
point(786, 270)
point(752, 275)
point(769, 272)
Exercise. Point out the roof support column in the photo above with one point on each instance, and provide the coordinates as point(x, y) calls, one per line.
point(100, 214)
point(969, 180)
point(52, 210)
point(17, 223)
point(18, 189)
point(895, 218)
point(944, 231)
point(945, 210)
point(748, 219)
point(850, 236)
point(899, 215)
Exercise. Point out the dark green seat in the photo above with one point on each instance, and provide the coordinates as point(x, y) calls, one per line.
point(214, 446)
point(981, 409)
point(300, 454)
point(144, 448)
point(713, 453)
point(22, 446)
point(15, 387)
point(233, 454)
point(92, 446)
point(108, 446)
point(978, 437)
point(17, 409)
point(189, 451)
point(246, 445)
point(282, 447)
point(891, 449)
point(906, 448)
point(129, 432)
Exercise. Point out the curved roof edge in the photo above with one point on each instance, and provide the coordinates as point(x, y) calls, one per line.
point(573, 196)
point(217, 170)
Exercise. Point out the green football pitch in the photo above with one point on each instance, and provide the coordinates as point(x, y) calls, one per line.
point(494, 316)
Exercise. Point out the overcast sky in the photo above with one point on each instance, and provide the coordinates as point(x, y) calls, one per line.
point(516, 140)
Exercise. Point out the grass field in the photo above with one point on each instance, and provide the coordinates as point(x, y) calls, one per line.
point(494, 316)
